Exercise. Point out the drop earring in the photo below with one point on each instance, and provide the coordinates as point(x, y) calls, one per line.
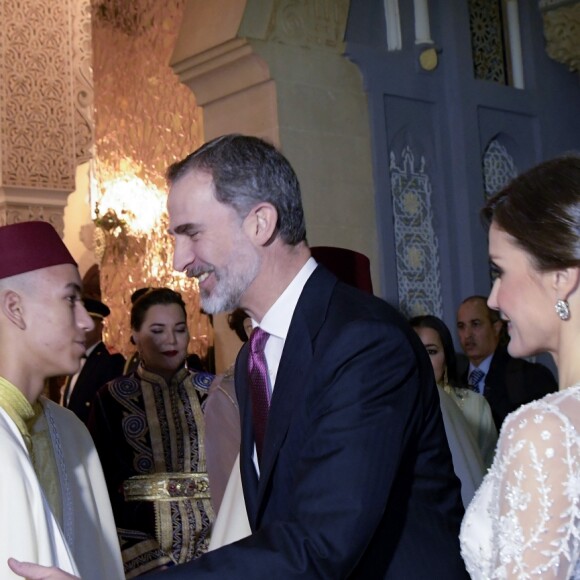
point(563, 309)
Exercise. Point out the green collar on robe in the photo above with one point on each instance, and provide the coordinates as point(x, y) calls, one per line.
point(18, 408)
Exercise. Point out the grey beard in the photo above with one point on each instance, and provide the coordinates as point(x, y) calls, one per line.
point(214, 303)
point(230, 287)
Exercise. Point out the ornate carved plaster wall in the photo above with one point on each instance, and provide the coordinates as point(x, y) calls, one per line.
point(145, 119)
point(45, 104)
point(562, 31)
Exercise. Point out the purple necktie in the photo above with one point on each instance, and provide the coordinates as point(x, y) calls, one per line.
point(259, 389)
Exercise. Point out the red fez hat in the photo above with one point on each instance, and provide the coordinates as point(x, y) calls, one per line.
point(349, 266)
point(29, 246)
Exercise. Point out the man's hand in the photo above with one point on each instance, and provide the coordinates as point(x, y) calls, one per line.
point(38, 572)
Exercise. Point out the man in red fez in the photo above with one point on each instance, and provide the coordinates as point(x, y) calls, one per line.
point(54, 505)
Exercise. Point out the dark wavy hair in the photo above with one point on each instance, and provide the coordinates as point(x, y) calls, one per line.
point(246, 171)
point(540, 209)
point(430, 321)
point(151, 297)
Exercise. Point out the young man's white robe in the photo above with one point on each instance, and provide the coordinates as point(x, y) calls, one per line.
point(86, 545)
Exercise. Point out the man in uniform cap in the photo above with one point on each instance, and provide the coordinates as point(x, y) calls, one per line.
point(54, 506)
point(97, 367)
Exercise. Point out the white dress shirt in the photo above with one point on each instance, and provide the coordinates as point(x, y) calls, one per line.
point(276, 323)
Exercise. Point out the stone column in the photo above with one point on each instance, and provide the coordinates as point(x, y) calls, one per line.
point(230, 81)
point(45, 106)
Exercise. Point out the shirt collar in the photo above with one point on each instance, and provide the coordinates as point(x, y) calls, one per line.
point(91, 348)
point(276, 321)
point(484, 365)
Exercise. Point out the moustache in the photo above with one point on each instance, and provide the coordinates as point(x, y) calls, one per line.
point(197, 272)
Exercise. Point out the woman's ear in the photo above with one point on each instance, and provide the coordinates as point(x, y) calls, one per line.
point(12, 307)
point(261, 223)
point(565, 282)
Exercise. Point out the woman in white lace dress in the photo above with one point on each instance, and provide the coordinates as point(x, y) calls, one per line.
point(524, 521)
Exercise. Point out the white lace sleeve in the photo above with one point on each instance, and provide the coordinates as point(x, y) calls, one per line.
point(537, 488)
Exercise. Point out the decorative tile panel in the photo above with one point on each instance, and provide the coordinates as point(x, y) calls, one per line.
point(417, 246)
point(499, 168)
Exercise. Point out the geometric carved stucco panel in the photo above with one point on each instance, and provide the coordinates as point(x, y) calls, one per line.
point(309, 22)
point(562, 33)
point(37, 115)
point(46, 100)
point(83, 81)
point(17, 213)
point(144, 116)
point(144, 119)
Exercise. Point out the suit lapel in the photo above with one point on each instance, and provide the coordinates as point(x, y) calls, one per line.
point(496, 369)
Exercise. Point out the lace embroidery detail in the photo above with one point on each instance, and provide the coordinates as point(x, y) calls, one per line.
point(524, 520)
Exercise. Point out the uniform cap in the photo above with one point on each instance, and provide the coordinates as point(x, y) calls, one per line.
point(29, 246)
point(96, 308)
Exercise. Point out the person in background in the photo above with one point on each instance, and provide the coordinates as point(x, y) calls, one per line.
point(132, 362)
point(437, 339)
point(525, 520)
point(193, 360)
point(98, 366)
point(506, 382)
point(149, 430)
point(467, 459)
point(240, 323)
point(54, 505)
point(222, 418)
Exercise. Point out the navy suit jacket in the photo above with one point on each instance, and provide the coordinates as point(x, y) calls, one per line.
point(99, 368)
point(513, 382)
point(356, 475)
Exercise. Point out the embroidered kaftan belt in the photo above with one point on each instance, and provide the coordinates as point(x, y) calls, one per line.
point(167, 487)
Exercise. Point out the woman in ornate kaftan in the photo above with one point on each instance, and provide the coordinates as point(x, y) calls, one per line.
point(149, 431)
point(524, 521)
